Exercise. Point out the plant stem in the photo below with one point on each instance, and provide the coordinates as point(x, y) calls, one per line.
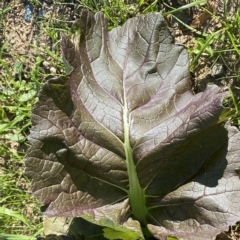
point(234, 100)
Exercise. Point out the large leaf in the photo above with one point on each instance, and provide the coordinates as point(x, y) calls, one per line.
point(123, 136)
point(76, 228)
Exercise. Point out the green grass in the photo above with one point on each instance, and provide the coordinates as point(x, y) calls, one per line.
point(20, 81)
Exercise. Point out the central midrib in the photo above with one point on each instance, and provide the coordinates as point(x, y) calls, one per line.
point(136, 193)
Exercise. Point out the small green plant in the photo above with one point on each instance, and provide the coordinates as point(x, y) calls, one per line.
point(15, 108)
point(18, 208)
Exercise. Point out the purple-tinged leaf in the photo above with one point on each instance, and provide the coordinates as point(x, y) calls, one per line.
point(123, 136)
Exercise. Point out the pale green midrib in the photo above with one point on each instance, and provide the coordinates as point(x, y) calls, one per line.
point(136, 193)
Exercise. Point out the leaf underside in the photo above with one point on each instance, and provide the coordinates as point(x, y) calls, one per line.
point(122, 141)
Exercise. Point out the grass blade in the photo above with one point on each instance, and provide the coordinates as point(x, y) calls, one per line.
point(15, 237)
point(15, 214)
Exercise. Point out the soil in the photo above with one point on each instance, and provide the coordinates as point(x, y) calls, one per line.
point(22, 38)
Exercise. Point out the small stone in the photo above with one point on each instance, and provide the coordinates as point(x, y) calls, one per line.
point(28, 13)
point(40, 14)
point(46, 64)
point(53, 70)
point(218, 70)
point(43, 44)
point(12, 41)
